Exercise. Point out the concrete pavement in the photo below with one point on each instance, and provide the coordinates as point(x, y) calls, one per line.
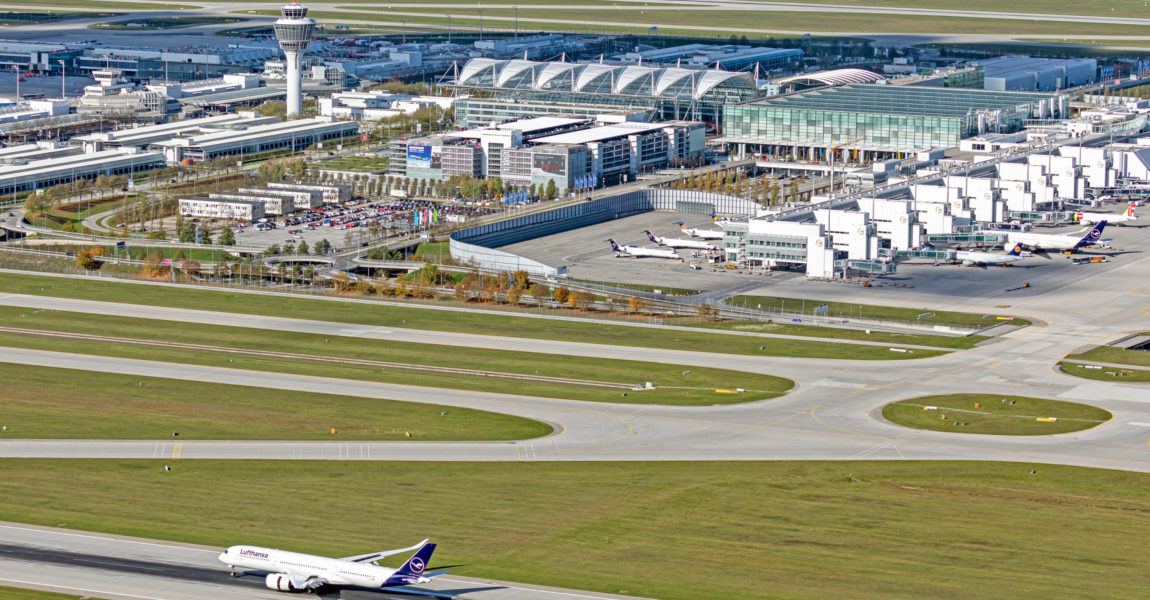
point(113, 567)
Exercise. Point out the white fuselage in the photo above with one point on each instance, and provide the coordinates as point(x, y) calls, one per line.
point(1044, 241)
point(986, 258)
point(1087, 218)
point(639, 252)
point(684, 243)
point(706, 234)
point(331, 570)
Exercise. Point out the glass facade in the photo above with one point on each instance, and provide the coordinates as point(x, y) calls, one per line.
point(888, 117)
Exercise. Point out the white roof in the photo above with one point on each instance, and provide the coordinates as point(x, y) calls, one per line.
point(637, 77)
point(834, 77)
point(597, 134)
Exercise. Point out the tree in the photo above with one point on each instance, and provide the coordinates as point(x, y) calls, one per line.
point(227, 237)
point(561, 294)
point(552, 190)
point(154, 265)
point(539, 292)
point(188, 233)
point(303, 248)
point(323, 246)
point(706, 311)
point(206, 236)
point(38, 204)
point(520, 279)
point(86, 258)
point(637, 304)
point(513, 295)
point(582, 300)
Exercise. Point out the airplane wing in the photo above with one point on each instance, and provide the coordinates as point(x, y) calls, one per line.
point(374, 556)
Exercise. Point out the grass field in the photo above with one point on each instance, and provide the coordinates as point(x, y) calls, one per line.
point(353, 163)
point(423, 318)
point(995, 414)
point(870, 311)
point(1118, 374)
point(955, 530)
point(100, 4)
point(47, 403)
point(752, 22)
point(164, 23)
point(696, 388)
point(10, 593)
point(1116, 355)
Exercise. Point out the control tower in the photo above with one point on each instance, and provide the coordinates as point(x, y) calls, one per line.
point(294, 31)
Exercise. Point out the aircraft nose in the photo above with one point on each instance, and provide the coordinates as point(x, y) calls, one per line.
point(223, 557)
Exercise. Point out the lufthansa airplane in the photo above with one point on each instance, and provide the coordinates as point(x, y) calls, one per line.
point(294, 572)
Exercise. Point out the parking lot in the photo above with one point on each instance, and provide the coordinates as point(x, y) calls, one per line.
point(344, 226)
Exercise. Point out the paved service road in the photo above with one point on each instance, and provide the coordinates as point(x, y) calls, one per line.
point(123, 568)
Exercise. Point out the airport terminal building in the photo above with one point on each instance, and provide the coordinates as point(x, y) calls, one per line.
point(876, 122)
point(671, 93)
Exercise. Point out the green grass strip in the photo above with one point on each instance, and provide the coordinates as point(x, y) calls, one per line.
point(995, 414)
point(438, 320)
point(675, 384)
point(759, 530)
point(50, 403)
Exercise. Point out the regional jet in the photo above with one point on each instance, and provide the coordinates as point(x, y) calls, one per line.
point(971, 258)
point(1058, 241)
point(706, 234)
point(680, 243)
point(1089, 218)
point(626, 250)
point(293, 572)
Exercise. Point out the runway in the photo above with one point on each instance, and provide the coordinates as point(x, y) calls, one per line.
point(124, 568)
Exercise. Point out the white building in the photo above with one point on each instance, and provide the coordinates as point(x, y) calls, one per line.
point(33, 109)
point(300, 199)
point(780, 244)
point(240, 141)
point(273, 205)
point(190, 89)
point(142, 137)
point(331, 194)
point(372, 106)
point(893, 220)
point(22, 175)
point(247, 210)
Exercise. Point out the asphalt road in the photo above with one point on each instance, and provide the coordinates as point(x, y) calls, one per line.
point(123, 568)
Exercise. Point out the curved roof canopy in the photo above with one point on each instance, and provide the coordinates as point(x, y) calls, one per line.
point(629, 80)
point(832, 77)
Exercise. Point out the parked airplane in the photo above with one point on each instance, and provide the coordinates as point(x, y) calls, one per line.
point(972, 258)
point(680, 243)
point(706, 234)
point(640, 252)
point(293, 572)
point(1089, 218)
point(1057, 241)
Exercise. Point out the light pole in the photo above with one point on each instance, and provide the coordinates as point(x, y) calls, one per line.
point(63, 92)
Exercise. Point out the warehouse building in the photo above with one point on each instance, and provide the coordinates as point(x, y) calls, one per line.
point(875, 122)
point(244, 140)
point(21, 175)
point(218, 208)
point(142, 137)
point(1026, 74)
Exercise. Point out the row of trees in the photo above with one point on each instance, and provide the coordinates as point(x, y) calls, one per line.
point(764, 190)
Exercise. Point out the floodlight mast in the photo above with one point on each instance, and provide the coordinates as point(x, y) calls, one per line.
point(294, 31)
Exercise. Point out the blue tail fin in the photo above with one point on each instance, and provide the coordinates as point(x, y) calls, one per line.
point(650, 236)
point(418, 562)
point(614, 246)
point(1015, 251)
point(1093, 236)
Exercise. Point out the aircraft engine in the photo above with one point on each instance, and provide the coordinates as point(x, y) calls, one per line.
point(280, 583)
